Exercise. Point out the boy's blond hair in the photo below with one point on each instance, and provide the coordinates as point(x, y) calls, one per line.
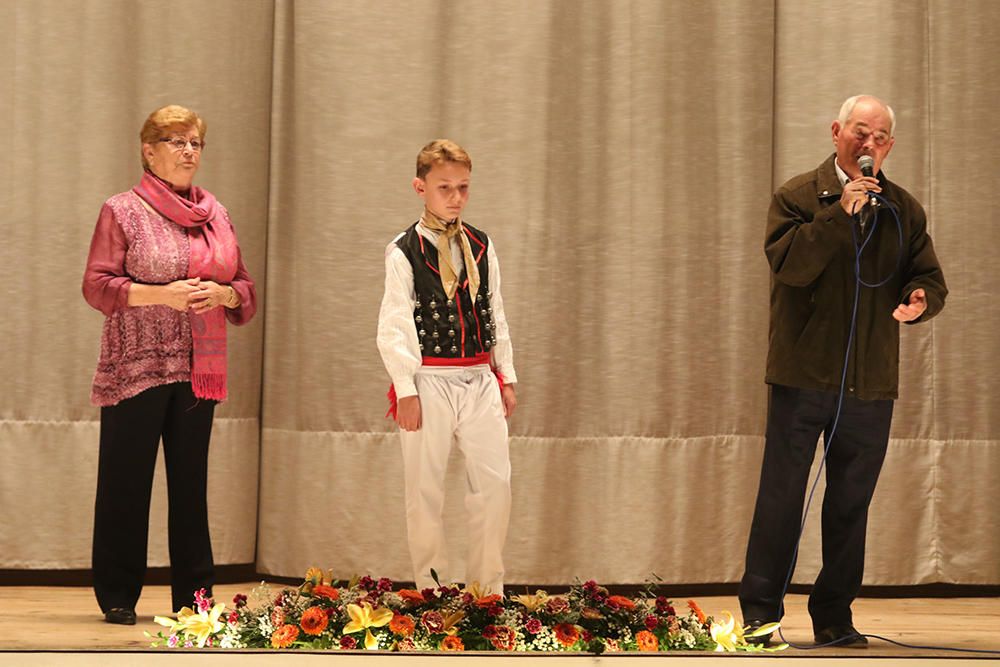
point(438, 151)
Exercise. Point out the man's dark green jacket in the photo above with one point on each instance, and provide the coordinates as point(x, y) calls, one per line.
point(811, 251)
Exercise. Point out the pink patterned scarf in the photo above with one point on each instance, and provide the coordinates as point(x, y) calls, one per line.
point(214, 256)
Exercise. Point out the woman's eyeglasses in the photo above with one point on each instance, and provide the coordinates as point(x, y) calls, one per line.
point(179, 144)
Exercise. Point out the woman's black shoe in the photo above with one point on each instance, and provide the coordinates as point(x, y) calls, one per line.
point(121, 616)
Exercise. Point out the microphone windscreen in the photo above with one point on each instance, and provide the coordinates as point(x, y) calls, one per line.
point(867, 165)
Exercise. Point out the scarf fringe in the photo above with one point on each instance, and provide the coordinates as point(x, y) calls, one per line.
point(209, 385)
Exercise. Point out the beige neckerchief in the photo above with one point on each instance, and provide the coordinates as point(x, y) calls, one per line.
point(449, 275)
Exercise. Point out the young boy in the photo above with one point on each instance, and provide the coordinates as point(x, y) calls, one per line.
point(443, 338)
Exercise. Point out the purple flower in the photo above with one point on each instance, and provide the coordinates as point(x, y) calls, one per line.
point(172, 641)
point(348, 642)
point(533, 626)
point(367, 583)
point(652, 622)
point(428, 593)
point(495, 610)
point(240, 600)
point(384, 585)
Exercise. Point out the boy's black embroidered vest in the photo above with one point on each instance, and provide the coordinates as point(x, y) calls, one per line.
point(450, 328)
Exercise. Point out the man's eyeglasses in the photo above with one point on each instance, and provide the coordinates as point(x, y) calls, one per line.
point(178, 144)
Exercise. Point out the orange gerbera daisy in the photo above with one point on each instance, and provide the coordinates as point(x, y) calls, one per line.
point(452, 643)
point(411, 596)
point(647, 641)
point(697, 611)
point(324, 591)
point(314, 621)
point(284, 636)
point(401, 625)
point(567, 634)
point(488, 600)
point(621, 602)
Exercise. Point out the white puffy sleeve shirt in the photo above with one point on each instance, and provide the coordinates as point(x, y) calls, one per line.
point(397, 332)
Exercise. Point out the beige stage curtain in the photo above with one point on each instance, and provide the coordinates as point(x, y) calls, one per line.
point(624, 157)
point(79, 79)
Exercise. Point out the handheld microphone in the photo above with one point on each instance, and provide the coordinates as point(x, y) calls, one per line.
point(867, 165)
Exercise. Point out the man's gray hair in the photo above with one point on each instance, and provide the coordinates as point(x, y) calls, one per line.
point(851, 102)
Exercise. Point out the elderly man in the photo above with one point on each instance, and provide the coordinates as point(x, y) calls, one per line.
point(834, 332)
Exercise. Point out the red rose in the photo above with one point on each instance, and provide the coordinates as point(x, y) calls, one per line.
point(504, 638)
point(432, 621)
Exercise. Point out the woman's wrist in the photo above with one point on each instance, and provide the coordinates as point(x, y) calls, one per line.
point(233, 300)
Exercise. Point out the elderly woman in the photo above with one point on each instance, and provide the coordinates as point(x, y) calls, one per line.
point(166, 271)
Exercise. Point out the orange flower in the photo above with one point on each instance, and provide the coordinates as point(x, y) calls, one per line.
point(324, 591)
point(697, 611)
point(567, 634)
point(647, 641)
point(488, 601)
point(452, 643)
point(621, 602)
point(314, 621)
point(284, 636)
point(411, 596)
point(401, 625)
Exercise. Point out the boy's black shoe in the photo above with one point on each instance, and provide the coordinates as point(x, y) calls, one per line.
point(120, 616)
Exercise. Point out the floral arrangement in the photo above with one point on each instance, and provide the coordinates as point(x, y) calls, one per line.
point(368, 613)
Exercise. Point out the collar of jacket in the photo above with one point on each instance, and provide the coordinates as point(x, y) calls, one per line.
point(828, 183)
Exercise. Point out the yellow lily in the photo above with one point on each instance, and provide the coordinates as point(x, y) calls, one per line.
point(315, 577)
point(451, 622)
point(729, 637)
point(726, 635)
point(363, 617)
point(200, 625)
point(533, 602)
point(477, 591)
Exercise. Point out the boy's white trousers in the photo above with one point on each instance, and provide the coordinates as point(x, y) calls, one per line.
point(460, 405)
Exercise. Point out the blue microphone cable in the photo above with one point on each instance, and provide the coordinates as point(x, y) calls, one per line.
point(859, 282)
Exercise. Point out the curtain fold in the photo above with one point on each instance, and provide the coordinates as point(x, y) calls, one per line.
point(624, 155)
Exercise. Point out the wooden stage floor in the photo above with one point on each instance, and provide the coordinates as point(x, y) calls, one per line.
point(62, 625)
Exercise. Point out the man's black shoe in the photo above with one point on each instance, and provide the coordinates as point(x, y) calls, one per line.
point(841, 636)
point(121, 616)
point(752, 625)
